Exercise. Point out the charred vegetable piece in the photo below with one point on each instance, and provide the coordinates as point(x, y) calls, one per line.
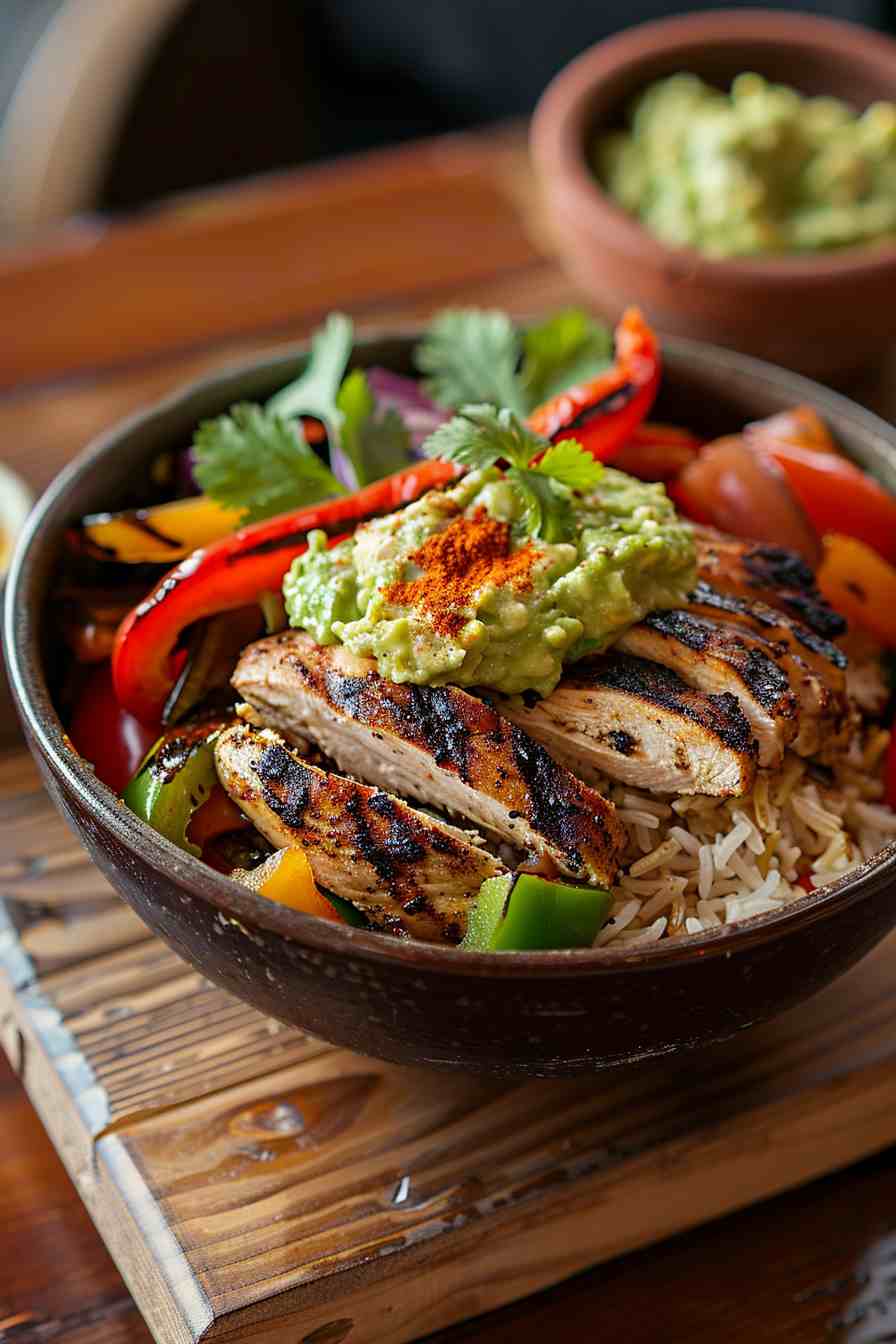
point(90, 618)
point(657, 452)
point(742, 491)
point(861, 585)
point(801, 425)
point(159, 535)
point(217, 816)
point(232, 573)
point(214, 647)
point(107, 736)
point(602, 413)
point(527, 913)
point(838, 496)
point(174, 782)
point(286, 878)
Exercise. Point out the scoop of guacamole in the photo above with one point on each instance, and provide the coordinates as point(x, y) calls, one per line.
point(451, 589)
point(760, 169)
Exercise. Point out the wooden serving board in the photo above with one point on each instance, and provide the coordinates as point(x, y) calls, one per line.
point(256, 1184)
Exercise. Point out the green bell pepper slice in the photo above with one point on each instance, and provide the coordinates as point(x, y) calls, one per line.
point(350, 913)
point(176, 778)
point(525, 913)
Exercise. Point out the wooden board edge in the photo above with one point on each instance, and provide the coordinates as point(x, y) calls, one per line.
point(149, 1257)
point(499, 1257)
point(16, 967)
point(496, 1255)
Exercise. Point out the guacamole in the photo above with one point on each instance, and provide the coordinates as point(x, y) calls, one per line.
point(450, 589)
point(759, 169)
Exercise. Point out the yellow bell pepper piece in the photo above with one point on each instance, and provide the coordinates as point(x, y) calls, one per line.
point(286, 877)
point(159, 535)
point(861, 585)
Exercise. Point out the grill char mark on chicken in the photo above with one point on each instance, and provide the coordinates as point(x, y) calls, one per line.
point(409, 873)
point(638, 722)
point(436, 744)
point(774, 575)
point(814, 666)
point(714, 659)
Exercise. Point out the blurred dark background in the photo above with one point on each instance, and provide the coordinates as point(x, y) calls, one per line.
point(165, 95)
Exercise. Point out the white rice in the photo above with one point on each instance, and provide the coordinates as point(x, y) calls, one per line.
point(722, 860)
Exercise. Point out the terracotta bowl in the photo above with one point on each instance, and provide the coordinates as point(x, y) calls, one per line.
point(827, 314)
point(539, 1014)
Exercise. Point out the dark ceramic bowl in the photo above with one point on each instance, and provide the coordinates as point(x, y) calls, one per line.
point(511, 1015)
point(828, 313)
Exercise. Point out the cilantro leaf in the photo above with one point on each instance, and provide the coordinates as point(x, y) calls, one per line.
point(256, 462)
point(471, 355)
point(480, 436)
point(565, 349)
point(569, 463)
point(375, 445)
point(314, 391)
point(547, 504)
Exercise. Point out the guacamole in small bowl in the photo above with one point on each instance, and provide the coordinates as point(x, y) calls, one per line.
point(760, 169)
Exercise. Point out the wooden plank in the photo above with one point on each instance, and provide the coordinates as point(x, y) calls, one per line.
point(335, 1187)
point(56, 909)
point(254, 1183)
point(228, 263)
point(42, 429)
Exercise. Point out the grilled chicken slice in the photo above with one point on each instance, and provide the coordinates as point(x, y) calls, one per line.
point(772, 574)
point(434, 743)
point(640, 723)
point(816, 668)
point(716, 659)
point(408, 873)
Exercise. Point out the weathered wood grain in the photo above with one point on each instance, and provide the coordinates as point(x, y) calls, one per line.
point(254, 1183)
point(63, 417)
point(57, 908)
point(253, 257)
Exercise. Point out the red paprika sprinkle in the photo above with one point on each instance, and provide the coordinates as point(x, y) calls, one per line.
point(456, 563)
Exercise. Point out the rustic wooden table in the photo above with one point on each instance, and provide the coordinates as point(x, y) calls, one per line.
point(106, 318)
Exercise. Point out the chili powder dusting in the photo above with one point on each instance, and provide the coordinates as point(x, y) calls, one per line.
point(455, 563)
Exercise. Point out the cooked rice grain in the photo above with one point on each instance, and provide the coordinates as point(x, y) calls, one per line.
point(723, 860)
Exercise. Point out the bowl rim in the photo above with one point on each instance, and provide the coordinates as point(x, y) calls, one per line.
point(560, 122)
point(236, 903)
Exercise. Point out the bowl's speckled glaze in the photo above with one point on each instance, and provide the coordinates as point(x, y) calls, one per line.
point(826, 313)
point(535, 1014)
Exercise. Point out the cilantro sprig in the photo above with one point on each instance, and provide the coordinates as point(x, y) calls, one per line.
point(545, 476)
point(375, 444)
point(565, 349)
point(472, 356)
point(254, 459)
point(257, 463)
point(314, 392)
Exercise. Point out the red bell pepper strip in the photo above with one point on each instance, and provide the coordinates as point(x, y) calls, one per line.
point(687, 503)
point(105, 734)
point(602, 414)
point(232, 573)
point(837, 496)
point(657, 452)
